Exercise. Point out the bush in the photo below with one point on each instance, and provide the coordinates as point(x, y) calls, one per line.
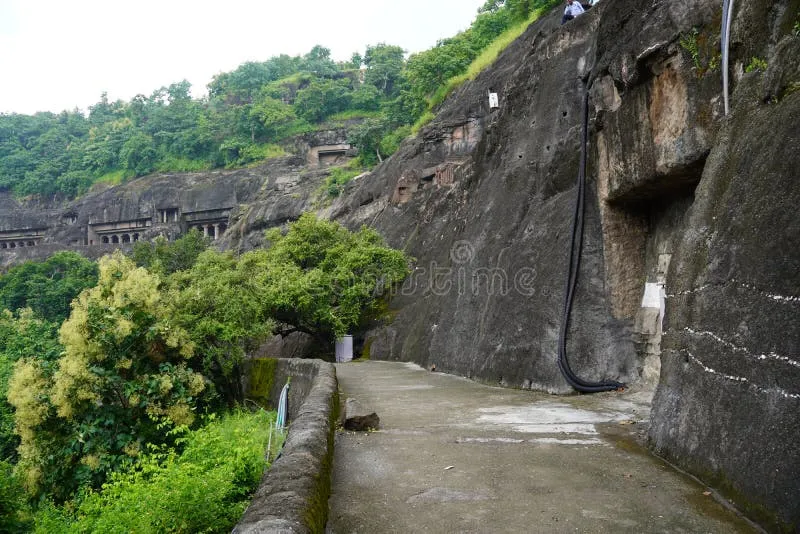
point(172, 163)
point(259, 153)
point(122, 382)
point(14, 513)
point(204, 489)
point(756, 64)
point(238, 152)
point(47, 287)
point(338, 178)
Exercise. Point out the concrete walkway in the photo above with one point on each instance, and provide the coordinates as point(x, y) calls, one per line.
point(456, 456)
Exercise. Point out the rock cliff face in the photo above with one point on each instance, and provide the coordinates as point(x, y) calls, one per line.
point(689, 273)
point(689, 276)
point(233, 207)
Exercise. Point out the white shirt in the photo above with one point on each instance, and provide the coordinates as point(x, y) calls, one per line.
point(574, 9)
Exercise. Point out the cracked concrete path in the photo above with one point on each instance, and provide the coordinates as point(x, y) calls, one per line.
point(456, 456)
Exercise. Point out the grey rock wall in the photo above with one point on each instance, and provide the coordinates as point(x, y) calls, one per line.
point(682, 198)
point(728, 402)
point(485, 301)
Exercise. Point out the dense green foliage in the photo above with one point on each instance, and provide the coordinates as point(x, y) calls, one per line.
point(203, 489)
point(47, 287)
point(248, 113)
point(122, 382)
point(155, 344)
point(220, 301)
point(14, 510)
point(323, 280)
point(21, 336)
point(164, 257)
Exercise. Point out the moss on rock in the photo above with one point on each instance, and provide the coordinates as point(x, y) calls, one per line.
point(262, 376)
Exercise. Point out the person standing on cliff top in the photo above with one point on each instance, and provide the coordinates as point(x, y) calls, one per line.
point(573, 10)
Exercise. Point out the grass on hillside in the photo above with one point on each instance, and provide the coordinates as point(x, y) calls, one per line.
point(206, 488)
point(173, 164)
point(484, 60)
point(353, 114)
point(115, 177)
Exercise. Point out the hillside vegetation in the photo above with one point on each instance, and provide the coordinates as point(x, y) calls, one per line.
point(113, 403)
point(249, 112)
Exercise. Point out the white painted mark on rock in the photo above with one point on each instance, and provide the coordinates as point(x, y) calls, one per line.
point(741, 379)
point(785, 299)
point(736, 348)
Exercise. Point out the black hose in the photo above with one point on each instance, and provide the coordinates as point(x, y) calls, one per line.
point(572, 276)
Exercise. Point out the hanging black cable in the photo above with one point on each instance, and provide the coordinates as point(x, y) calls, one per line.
point(576, 236)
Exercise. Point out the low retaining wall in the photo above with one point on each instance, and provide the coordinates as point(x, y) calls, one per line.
point(293, 494)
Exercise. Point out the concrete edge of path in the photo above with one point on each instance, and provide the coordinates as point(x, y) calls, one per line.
point(293, 494)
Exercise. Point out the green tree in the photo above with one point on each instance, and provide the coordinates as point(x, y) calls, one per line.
point(163, 257)
point(138, 154)
point(47, 287)
point(384, 64)
point(74, 183)
point(321, 279)
point(322, 98)
point(219, 301)
point(103, 146)
point(104, 111)
point(22, 335)
point(14, 515)
point(432, 68)
point(318, 62)
point(275, 116)
point(367, 98)
point(355, 61)
point(121, 383)
point(367, 137)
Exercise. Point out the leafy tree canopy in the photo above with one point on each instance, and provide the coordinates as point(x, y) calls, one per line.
point(384, 66)
point(47, 287)
point(164, 257)
point(123, 381)
point(21, 335)
point(321, 279)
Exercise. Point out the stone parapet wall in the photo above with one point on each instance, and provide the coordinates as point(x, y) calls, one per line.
point(293, 495)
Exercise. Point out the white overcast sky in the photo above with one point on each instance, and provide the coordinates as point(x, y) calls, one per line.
point(62, 54)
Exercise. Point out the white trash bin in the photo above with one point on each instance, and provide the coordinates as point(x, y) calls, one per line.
point(344, 349)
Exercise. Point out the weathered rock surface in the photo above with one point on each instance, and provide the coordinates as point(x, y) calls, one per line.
point(293, 494)
point(728, 402)
point(485, 300)
point(233, 206)
point(694, 204)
